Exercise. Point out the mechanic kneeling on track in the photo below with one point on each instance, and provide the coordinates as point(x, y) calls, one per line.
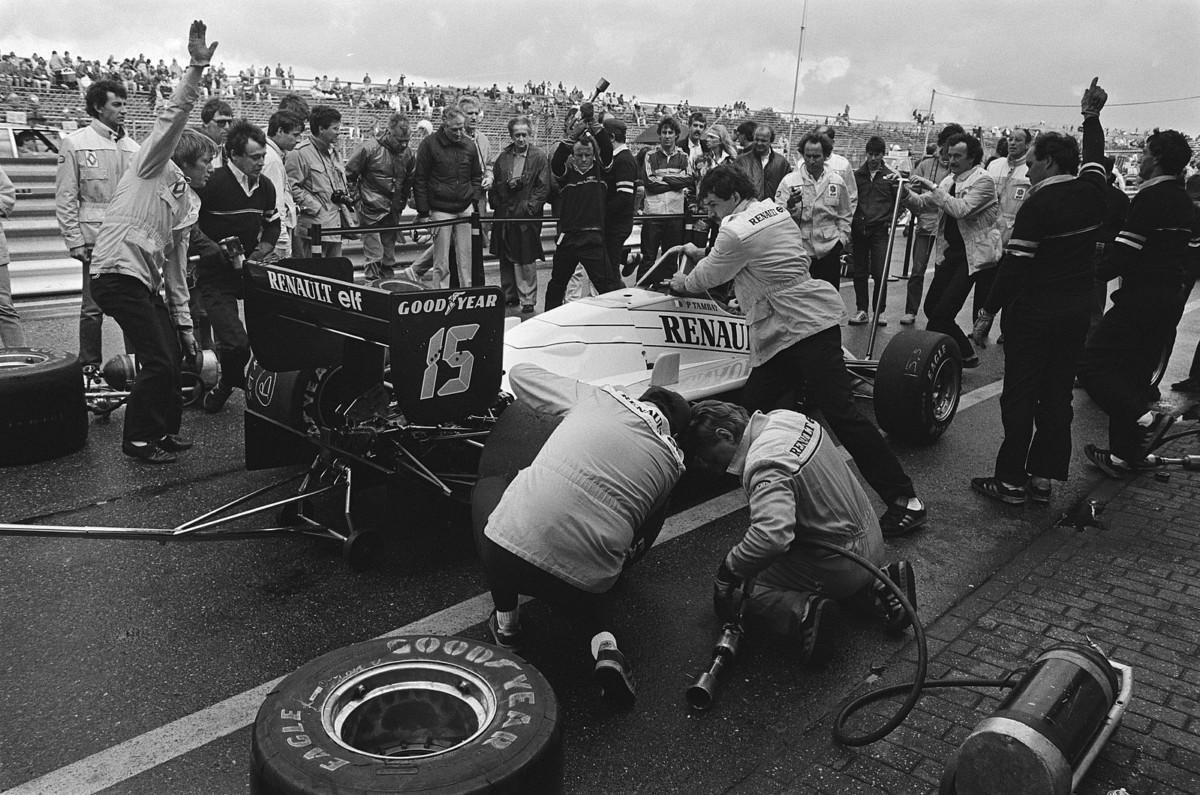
point(799, 487)
point(236, 202)
point(793, 323)
point(590, 505)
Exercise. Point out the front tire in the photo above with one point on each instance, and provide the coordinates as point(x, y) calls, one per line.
point(918, 386)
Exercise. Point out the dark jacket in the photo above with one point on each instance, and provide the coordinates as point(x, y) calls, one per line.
point(448, 174)
point(766, 181)
point(876, 199)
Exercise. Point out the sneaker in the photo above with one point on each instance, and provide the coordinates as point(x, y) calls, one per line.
point(859, 318)
point(1039, 490)
point(999, 490)
point(214, 401)
point(150, 453)
point(1158, 429)
point(505, 640)
point(907, 319)
point(174, 443)
point(1189, 384)
point(970, 362)
point(902, 520)
point(895, 617)
point(1104, 461)
point(614, 676)
point(816, 635)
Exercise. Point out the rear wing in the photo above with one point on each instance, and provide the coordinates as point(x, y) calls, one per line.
point(445, 346)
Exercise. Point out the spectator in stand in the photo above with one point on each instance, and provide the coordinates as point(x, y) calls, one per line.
point(1045, 287)
point(1150, 255)
point(381, 175)
point(318, 180)
point(449, 175)
point(871, 229)
point(215, 118)
point(91, 162)
point(622, 179)
point(666, 177)
point(236, 202)
point(520, 185)
point(967, 211)
point(933, 167)
point(140, 253)
point(691, 142)
point(579, 164)
point(765, 167)
point(743, 136)
point(283, 133)
point(841, 165)
point(11, 333)
point(819, 201)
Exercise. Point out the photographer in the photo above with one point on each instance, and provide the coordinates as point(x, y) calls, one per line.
point(520, 184)
point(318, 180)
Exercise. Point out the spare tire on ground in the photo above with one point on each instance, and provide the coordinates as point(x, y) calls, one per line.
point(43, 414)
point(414, 714)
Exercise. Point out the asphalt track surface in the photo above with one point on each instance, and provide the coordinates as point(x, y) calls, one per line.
point(137, 667)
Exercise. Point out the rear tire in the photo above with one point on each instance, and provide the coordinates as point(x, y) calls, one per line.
point(43, 414)
point(918, 385)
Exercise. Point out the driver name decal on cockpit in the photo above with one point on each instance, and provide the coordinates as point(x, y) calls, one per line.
point(706, 332)
point(456, 301)
point(313, 290)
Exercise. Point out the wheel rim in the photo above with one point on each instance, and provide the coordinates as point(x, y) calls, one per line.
point(944, 390)
point(11, 360)
point(409, 710)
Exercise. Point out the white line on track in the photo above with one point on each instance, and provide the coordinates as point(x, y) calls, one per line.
point(136, 755)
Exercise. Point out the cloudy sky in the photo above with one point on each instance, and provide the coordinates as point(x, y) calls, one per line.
point(882, 58)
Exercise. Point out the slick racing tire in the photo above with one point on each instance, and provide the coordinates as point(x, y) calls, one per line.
point(414, 714)
point(43, 413)
point(918, 385)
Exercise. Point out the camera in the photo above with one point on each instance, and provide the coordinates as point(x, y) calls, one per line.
point(341, 197)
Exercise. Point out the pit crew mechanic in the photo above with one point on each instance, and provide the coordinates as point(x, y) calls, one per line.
point(591, 503)
point(798, 486)
point(793, 322)
point(142, 244)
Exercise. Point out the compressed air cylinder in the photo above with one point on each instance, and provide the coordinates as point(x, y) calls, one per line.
point(1040, 732)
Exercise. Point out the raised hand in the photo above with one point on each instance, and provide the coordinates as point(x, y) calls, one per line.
point(1093, 99)
point(200, 52)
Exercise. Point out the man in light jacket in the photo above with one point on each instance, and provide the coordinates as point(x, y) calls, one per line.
point(964, 251)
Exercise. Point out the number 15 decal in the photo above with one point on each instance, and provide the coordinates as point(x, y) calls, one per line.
point(444, 346)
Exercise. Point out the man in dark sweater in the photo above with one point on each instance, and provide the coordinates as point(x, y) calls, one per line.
point(234, 203)
point(1149, 254)
point(578, 166)
point(1044, 286)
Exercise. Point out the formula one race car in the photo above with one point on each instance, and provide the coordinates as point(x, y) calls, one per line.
point(699, 347)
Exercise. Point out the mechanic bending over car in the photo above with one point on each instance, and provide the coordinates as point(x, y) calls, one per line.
point(793, 321)
point(141, 245)
point(799, 487)
point(590, 505)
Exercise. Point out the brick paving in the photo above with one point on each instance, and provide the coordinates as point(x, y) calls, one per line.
point(1131, 586)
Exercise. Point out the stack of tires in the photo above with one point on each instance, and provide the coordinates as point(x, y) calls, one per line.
point(42, 410)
